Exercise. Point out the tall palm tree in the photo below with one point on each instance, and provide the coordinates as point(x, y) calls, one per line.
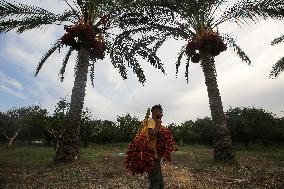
point(278, 67)
point(87, 24)
point(197, 22)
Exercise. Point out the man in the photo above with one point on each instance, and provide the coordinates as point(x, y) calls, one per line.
point(155, 176)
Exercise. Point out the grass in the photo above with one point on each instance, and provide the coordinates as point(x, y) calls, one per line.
point(101, 166)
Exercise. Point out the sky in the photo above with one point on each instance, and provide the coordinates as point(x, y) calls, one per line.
point(240, 85)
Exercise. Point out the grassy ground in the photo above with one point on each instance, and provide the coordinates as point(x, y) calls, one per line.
point(101, 167)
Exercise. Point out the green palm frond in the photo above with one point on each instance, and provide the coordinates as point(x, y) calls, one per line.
point(278, 40)
point(65, 61)
point(186, 69)
point(24, 17)
point(179, 58)
point(277, 68)
point(253, 10)
point(92, 71)
point(126, 48)
point(116, 60)
point(46, 56)
point(18, 10)
point(231, 43)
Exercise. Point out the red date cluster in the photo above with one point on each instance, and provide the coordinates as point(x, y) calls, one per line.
point(209, 42)
point(140, 158)
point(83, 33)
point(165, 143)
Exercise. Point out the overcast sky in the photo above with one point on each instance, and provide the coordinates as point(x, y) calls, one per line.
point(239, 84)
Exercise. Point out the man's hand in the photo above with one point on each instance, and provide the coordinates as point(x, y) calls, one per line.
point(158, 122)
point(151, 134)
point(158, 125)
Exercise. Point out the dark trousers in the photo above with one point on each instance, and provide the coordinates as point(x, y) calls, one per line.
point(155, 176)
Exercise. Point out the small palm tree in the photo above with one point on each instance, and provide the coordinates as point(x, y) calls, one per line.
point(87, 24)
point(278, 67)
point(197, 22)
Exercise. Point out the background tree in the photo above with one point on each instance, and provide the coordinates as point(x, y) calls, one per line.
point(250, 124)
point(14, 121)
point(127, 126)
point(36, 120)
point(204, 129)
point(278, 131)
point(198, 23)
point(55, 126)
point(87, 129)
point(106, 131)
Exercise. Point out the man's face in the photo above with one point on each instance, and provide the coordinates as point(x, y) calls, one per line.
point(158, 113)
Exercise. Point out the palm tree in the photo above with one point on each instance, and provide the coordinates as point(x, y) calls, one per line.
point(278, 67)
point(87, 26)
point(197, 22)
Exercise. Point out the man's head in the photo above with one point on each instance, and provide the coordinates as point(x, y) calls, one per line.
point(157, 111)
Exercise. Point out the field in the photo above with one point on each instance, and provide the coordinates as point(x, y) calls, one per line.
point(101, 166)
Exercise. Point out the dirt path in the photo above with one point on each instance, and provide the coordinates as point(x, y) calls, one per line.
point(194, 169)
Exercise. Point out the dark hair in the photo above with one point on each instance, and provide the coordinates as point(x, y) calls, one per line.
point(158, 106)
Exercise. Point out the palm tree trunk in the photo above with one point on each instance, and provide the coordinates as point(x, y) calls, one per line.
point(69, 146)
point(222, 138)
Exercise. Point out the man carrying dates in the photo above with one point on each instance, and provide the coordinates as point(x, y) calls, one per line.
point(153, 125)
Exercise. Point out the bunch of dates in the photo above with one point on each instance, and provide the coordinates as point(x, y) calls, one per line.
point(165, 143)
point(78, 34)
point(140, 158)
point(208, 42)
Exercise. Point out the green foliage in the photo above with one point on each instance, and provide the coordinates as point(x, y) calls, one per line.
point(56, 122)
point(254, 125)
point(127, 127)
point(105, 131)
point(247, 125)
point(23, 123)
point(189, 132)
point(204, 128)
point(87, 129)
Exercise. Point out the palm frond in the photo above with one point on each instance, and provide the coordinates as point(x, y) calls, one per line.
point(92, 71)
point(186, 69)
point(126, 47)
point(73, 11)
point(65, 61)
point(46, 56)
point(24, 17)
point(127, 53)
point(180, 55)
point(253, 10)
point(277, 68)
point(278, 40)
point(230, 42)
point(9, 9)
point(116, 60)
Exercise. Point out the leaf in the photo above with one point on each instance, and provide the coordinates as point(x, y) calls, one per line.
point(65, 61)
point(277, 68)
point(46, 56)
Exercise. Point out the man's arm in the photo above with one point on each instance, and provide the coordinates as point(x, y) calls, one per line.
point(153, 132)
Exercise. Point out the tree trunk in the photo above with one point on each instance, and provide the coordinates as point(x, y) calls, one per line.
point(222, 138)
point(69, 147)
point(12, 139)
